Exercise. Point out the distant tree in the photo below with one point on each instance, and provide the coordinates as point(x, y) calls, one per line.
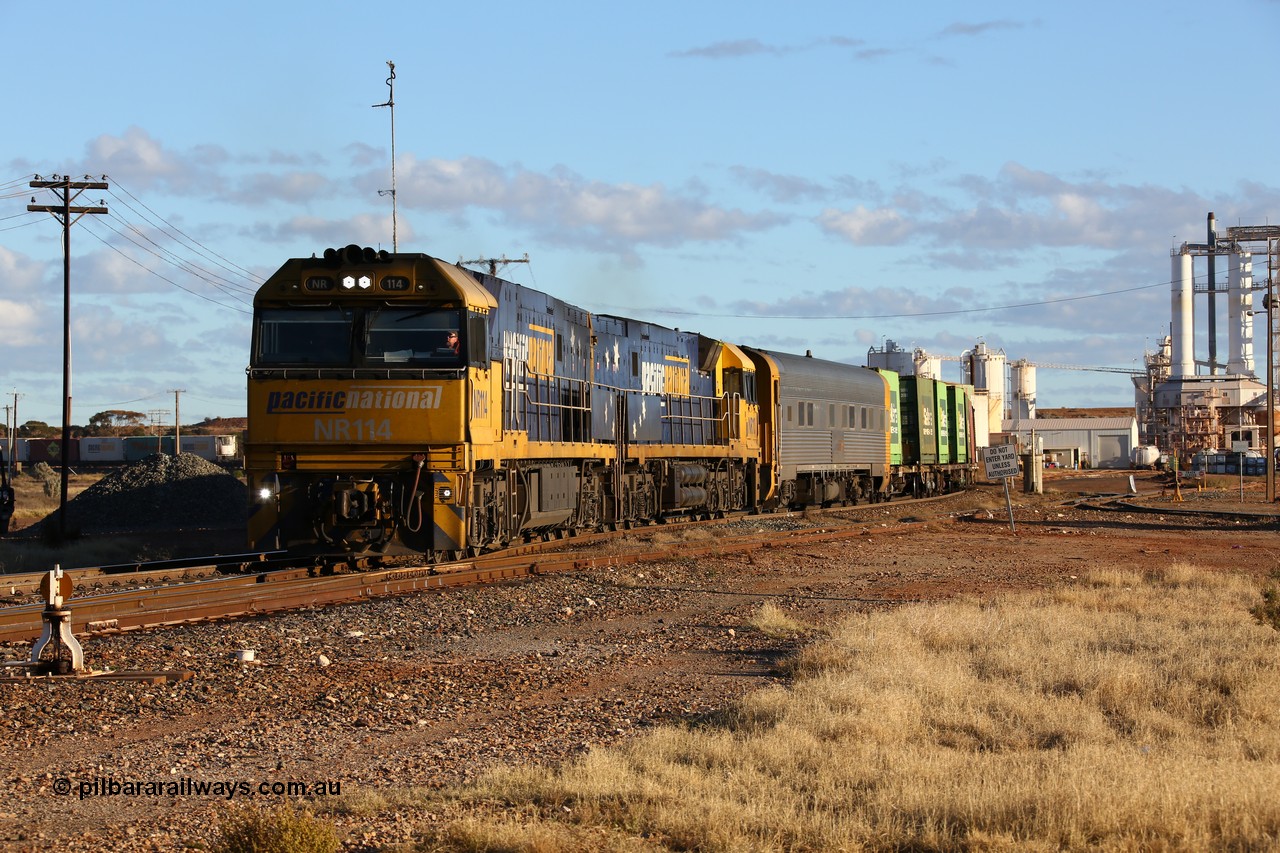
point(117, 422)
point(37, 429)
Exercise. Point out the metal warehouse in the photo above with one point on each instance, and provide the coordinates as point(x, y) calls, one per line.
point(1078, 442)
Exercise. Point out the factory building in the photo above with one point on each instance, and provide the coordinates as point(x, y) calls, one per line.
point(1186, 404)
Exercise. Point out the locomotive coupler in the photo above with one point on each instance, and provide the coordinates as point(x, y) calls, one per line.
point(67, 655)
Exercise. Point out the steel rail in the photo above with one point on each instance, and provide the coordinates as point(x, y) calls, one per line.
point(267, 592)
point(28, 583)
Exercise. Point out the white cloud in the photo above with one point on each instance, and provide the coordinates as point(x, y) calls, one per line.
point(866, 227)
point(19, 324)
point(365, 229)
point(20, 273)
point(565, 208)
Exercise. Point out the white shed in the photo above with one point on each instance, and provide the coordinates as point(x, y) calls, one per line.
point(1079, 442)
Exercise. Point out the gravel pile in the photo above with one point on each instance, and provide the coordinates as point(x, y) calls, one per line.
point(159, 493)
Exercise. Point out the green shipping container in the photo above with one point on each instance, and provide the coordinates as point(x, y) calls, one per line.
point(942, 400)
point(919, 421)
point(959, 408)
point(895, 416)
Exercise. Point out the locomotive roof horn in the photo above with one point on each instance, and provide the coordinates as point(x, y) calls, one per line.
point(354, 254)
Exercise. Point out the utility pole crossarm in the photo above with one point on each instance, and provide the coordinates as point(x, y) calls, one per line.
point(494, 263)
point(65, 207)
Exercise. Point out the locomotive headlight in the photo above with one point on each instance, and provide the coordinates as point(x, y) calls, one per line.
point(269, 490)
point(446, 493)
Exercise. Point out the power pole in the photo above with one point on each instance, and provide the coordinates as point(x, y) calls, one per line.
point(1270, 308)
point(157, 426)
point(177, 423)
point(391, 102)
point(63, 213)
point(13, 433)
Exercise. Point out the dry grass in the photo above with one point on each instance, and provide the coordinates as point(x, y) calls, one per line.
point(279, 830)
point(32, 504)
point(1127, 712)
point(772, 621)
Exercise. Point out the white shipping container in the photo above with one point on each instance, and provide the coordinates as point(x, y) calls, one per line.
point(204, 446)
point(101, 449)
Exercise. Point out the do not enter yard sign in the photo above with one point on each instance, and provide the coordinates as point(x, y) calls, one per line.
point(1001, 461)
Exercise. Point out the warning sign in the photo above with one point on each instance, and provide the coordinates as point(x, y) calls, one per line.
point(1001, 461)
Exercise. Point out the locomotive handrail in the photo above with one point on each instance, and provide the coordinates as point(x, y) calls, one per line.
point(539, 414)
point(718, 428)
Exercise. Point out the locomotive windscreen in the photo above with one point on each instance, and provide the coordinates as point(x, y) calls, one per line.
point(413, 336)
point(320, 336)
point(332, 336)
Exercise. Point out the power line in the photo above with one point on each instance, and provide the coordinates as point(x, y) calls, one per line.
point(163, 278)
point(196, 245)
point(186, 266)
point(177, 263)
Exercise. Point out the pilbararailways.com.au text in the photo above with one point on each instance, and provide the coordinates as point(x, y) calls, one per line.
point(109, 786)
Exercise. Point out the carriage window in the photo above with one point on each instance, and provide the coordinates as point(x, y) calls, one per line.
point(319, 336)
point(414, 336)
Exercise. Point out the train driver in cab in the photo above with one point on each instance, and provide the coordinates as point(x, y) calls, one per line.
point(451, 340)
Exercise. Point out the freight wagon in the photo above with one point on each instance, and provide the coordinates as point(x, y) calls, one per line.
point(96, 451)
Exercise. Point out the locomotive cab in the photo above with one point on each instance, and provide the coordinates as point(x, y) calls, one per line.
point(364, 375)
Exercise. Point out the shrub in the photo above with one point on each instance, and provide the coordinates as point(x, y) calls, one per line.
point(1268, 612)
point(52, 479)
point(281, 830)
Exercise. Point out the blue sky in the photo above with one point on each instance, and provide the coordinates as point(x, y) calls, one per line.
point(814, 175)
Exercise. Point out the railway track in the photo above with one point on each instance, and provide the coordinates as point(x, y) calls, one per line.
point(262, 592)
